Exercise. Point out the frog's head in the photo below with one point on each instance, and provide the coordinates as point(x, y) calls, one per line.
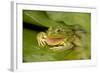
point(58, 32)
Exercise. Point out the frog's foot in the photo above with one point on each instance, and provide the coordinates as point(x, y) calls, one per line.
point(41, 39)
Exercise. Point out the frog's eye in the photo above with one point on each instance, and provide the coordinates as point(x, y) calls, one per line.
point(58, 30)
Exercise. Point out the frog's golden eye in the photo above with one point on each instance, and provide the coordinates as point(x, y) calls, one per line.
point(58, 30)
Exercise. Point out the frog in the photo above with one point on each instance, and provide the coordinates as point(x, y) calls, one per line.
point(61, 37)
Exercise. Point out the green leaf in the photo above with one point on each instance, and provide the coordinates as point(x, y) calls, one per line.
point(71, 18)
point(37, 18)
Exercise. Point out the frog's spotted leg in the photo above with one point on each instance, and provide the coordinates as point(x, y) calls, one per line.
point(41, 39)
point(80, 53)
point(79, 48)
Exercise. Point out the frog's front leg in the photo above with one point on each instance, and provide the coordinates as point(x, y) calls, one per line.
point(41, 38)
point(63, 46)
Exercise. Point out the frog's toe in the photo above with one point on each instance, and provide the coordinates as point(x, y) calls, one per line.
point(42, 43)
point(40, 39)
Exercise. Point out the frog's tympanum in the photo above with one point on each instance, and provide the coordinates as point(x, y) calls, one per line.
point(62, 37)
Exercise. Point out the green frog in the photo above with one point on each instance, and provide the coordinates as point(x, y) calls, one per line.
point(62, 37)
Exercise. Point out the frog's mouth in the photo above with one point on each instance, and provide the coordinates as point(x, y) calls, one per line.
point(54, 40)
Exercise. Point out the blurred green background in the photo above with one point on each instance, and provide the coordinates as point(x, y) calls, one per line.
point(37, 21)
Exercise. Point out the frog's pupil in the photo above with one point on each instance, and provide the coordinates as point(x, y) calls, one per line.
point(58, 30)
